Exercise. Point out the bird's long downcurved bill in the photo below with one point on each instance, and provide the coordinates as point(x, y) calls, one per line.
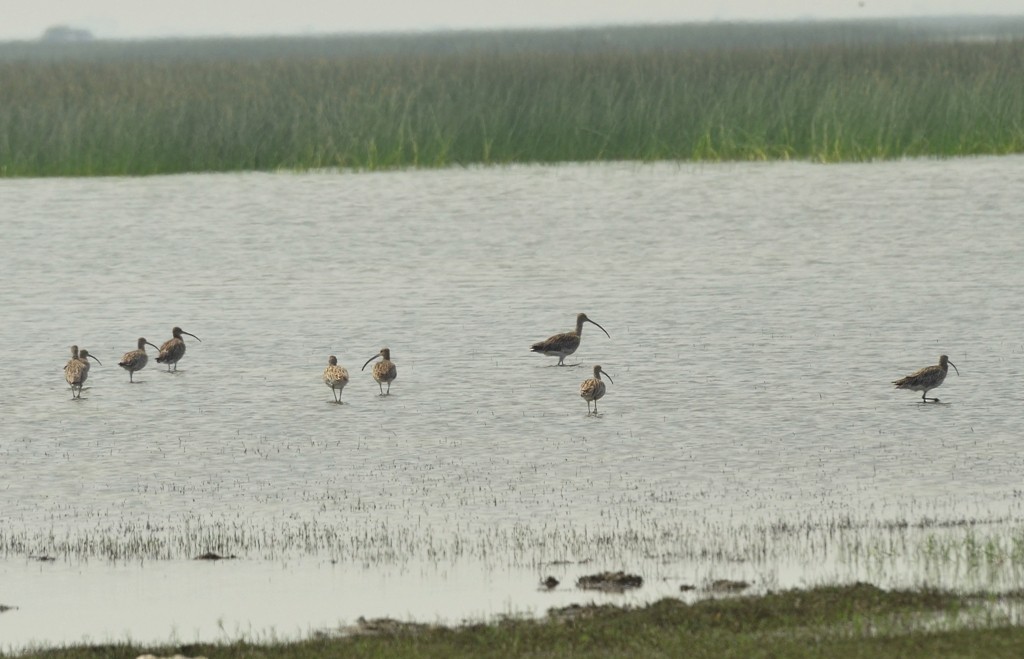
point(190, 334)
point(369, 360)
point(954, 366)
point(153, 345)
point(602, 329)
point(92, 356)
point(605, 373)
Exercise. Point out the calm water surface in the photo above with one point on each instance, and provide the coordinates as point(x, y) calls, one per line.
point(757, 312)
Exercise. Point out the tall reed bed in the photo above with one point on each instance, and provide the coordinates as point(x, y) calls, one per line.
point(261, 105)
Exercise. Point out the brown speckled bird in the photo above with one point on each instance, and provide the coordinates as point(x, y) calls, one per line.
point(335, 377)
point(593, 388)
point(76, 371)
point(563, 345)
point(173, 349)
point(135, 360)
point(384, 370)
point(927, 378)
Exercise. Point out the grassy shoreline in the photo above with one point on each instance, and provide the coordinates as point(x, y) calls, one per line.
point(859, 620)
point(820, 91)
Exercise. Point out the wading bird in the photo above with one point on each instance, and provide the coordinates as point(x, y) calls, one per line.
point(174, 349)
point(135, 360)
point(76, 371)
point(593, 388)
point(927, 378)
point(335, 377)
point(563, 345)
point(384, 370)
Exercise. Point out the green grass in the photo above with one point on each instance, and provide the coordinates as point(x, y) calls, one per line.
point(824, 92)
point(851, 621)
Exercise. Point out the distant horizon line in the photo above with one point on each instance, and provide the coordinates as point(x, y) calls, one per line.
point(369, 32)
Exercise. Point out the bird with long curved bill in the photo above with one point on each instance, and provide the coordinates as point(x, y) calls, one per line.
point(383, 371)
point(173, 349)
point(563, 345)
point(76, 371)
point(927, 378)
point(593, 388)
point(135, 360)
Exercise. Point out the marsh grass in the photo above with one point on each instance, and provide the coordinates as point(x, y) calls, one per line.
point(852, 621)
point(823, 92)
point(967, 543)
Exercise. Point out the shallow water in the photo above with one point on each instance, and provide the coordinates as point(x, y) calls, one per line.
point(757, 312)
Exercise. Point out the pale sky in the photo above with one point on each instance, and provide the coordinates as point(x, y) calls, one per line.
point(128, 19)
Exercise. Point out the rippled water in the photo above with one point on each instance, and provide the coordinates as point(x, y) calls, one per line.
point(757, 312)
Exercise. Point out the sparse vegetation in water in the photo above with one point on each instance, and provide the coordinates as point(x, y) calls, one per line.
point(820, 91)
point(214, 556)
point(610, 581)
point(949, 552)
point(727, 586)
point(851, 621)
